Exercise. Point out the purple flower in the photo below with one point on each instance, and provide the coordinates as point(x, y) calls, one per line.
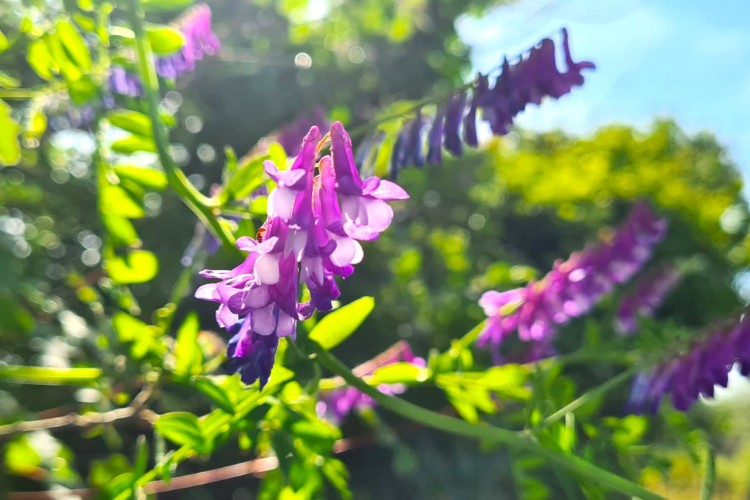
point(122, 82)
point(200, 40)
point(696, 372)
point(335, 405)
point(649, 293)
point(571, 289)
point(310, 237)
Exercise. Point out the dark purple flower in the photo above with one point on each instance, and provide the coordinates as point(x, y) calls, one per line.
point(571, 289)
point(250, 354)
point(528, 80)
point(200, 40)
point(696, 372)
point(649, 293)
point(454, 115)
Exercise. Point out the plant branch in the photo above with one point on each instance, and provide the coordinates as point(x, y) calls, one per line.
point(136, 408)
point(570, 463)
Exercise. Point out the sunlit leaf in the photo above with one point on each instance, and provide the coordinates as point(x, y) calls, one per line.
point(21, 458)
point(149, 178)
point(403, 373)
point(116, 201)
point(47, 375)
point(10, 149)
point(4, 44)
point(120, 229)
point(8, 82)
point(137, 266)
point(74, 44)
point(336, 326)
point(187, 352)
point(164, 40)
point(131, 121)
point(182, 428)
point(134, 143)
point(165, 5)
point(40, 59)
point(248, 177)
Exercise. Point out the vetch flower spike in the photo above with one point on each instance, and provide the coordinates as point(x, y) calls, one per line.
point(311, 236)
point(571, 289)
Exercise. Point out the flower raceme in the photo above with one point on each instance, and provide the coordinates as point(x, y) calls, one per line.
point(696, 372)
point(527, 81)
point(571, 289)
point(311, 236)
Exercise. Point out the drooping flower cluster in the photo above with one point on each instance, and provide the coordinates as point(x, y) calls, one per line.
point(649, 293)
point(697, 372)
point(200, 40)
point(311, 236)
point(527, 81)
point(335, 405)
point(571, 289)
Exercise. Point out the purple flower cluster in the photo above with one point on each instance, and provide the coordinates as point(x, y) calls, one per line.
point(572, 288)
point(311, 236)
point(706, 365)
point(527, 81)
point(649, 293)
point(335, 405)
point(200, 40)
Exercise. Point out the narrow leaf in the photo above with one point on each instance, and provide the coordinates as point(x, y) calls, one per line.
point(149, 178)
point(187, 352)
point(48, 376)
point(335, 327)
point(132, 144)
point(137, 266)
point(10, 149)
point(74, 45)
point(131, 121)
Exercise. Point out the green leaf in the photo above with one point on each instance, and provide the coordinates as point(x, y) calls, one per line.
point(115, 200)
point(164, 40)
point(3, 43)
point(10, 149)
point(74, 45)
point(141, 456)
point(216, 394)
point(398, 373)
point(69, 70)
point(48, 376)
point(82, 90)
point(182, 428)
point(149, 178)
point(259, 206)
point(8, 82)
point(120, 229)
point(21, 458)
point(104, 470)
point(129, 328)
point(248, 177)
point(138, 266)
point(335, 327)
point(134, 143)
point(131, 121)
point(187, 351)
point(40, 59)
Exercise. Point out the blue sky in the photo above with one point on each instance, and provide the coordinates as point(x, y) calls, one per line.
point(686, 59)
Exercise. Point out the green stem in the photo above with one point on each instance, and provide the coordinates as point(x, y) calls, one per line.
point(193, 198)
point(592, 394)
point(452, 425)
point(709, 479)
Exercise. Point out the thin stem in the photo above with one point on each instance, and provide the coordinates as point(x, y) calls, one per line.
point(585, 398)
point(438, 421)
point(137, 408)
point(707, 488)
point(193, 198)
